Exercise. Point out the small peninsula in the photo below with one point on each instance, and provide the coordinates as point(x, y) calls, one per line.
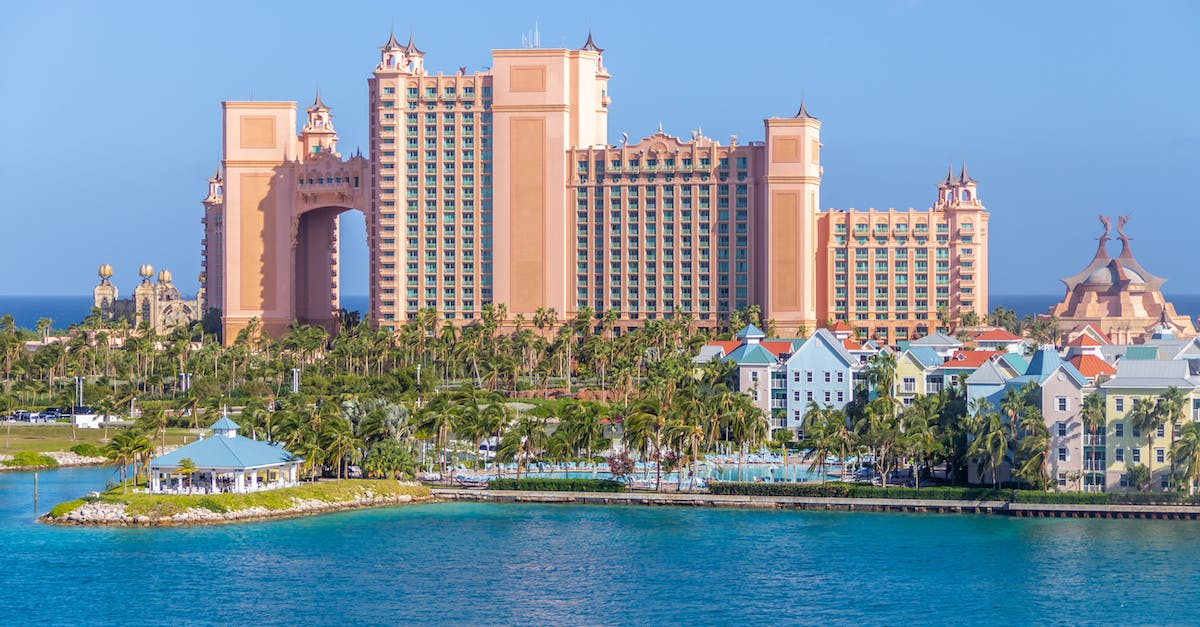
point(129, 508)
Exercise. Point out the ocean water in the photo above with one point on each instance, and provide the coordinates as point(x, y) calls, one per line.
point(545, 565)
point(68, 310)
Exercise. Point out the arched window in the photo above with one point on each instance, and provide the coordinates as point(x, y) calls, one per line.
point(966, 195)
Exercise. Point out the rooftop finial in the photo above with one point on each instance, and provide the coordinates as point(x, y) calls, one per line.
point(964, 178)
point(391, 44)
point(660, 129)
point(317, 104)
point(950, 174)
point(412, 48)
point(803, 113)
point(590, 44)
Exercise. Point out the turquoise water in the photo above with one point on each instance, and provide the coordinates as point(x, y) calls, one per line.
point(542, 565)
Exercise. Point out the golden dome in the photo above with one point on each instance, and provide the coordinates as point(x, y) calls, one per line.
point(146, 271)
point(164, 276)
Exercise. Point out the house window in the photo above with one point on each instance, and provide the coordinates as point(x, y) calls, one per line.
point(796, 396)
point(841, 377)
point(1161, 432)
point(796, 376)
point(1062, 478)
point(1062, 453)
point(808, 376)
point(828, 396)
point(808, 396)
point(841, 396)
point(1119, 429)
point(910, 385)
point(1119, 404)
point(1160, 455)
point(1137, 455)
point(1062, 429)
point(1124, 481)
point(1061, 403)
point(828, 376)
point(755, 394)
point(754, 377)
point(1120, 454)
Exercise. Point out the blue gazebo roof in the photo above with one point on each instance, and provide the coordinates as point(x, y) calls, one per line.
point(227, 453)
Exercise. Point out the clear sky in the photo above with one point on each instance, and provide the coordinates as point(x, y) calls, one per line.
point(1062, 110)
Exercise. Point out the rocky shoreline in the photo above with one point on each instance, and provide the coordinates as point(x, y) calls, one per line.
point(65, 459)
point(107, 514)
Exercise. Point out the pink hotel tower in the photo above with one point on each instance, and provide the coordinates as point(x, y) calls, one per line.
point(501, 187)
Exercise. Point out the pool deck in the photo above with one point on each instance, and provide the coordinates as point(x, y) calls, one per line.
point(685, 499)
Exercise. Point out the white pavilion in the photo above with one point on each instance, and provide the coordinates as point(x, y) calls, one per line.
point(225, 462)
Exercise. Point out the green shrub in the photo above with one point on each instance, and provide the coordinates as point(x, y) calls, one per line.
point(855, 490)
point(32, 459)
point(62, 509)
point(86, 449)
point(557, 485)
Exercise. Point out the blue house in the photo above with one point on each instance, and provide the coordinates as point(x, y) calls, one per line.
point(822, 371)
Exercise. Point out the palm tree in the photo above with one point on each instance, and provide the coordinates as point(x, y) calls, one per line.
point(1093, 415)
point(187, 468)
point(1171, 404)
point(1144, 417)
point(991, 444)
point(1186, 452)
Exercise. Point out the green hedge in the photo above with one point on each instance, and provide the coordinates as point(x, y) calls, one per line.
point(862, 491)
point(856, 491)
point(557, 485)
point(31, 459)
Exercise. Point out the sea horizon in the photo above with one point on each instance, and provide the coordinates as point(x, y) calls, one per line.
point(69, 309)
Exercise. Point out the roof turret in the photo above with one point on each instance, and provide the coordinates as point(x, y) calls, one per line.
point(964, 178)
point(803, 113)
point(391, 44)
point(590, 44)
point(411, 49)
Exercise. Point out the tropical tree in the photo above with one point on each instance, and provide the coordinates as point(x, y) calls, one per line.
point(1144, 417)
point(1171, 405)
point(991, 444)
point(1093, 415)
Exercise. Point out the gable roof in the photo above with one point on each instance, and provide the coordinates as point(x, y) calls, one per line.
point(1153, 374)
point(726, 345)
point(234, 453)
point(823, 337)
point(923, 356)
point(750, 331)
point(841, 326)
point(968, 359)
point(1141, 353)
point(1092, 366)
point(1018, 363)
point(752, 354)
point(777, 347)
point(996, 335)
point(225, 424)
point(1045, 363)
point(936, 339)
point(987, 374)
point(1084, 340)
point(707, 353)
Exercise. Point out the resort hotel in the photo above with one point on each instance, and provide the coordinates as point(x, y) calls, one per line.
point(501, 187)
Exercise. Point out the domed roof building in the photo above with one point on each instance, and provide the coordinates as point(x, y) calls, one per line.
point(1118, 297)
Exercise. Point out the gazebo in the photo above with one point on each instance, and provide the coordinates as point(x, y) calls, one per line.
point(225, 462)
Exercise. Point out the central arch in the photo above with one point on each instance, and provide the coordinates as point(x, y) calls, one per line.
point(317, 275)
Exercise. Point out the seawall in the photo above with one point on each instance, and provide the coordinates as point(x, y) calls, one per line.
point(684, 499)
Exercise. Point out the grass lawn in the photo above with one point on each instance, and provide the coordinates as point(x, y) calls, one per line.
point(163, 505)
point(57, 437)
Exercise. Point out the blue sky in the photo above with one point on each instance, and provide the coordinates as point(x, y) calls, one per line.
point(1062, 110)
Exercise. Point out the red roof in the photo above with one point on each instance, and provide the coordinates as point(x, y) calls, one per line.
point(996, 335)
point(1092, 366)
point(851, 344)
point(969, 359)
point(728, 345)
point(1100, 334)
point(777, 347)
point(1084, 340)
point(840, 326)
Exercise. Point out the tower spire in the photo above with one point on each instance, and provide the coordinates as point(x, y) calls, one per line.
point(803, 113)
point(590, 44)
point(964, 178)
point(391, 44)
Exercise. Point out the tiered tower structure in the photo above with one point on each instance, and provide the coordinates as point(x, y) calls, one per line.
point(500, 187)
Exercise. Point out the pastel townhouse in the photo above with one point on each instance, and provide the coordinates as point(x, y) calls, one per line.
point(1061, 391)
point(759, 368)
point(820, 371)
point(914, 367)
point(1124, 445)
